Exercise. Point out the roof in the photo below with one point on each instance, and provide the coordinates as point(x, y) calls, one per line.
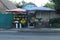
point(41, 8)
point(29, 5)
point(16, 10)
point(7, 4)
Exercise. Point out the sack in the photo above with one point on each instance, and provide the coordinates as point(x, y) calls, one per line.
point(31, 24)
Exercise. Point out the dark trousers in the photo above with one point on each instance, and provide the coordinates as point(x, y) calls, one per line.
point(23, 25)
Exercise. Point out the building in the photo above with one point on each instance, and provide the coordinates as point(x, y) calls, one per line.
point(6, 19)
point(43, 14)
point(6, 4)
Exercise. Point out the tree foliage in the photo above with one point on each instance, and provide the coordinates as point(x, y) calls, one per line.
point(57, 3)
point(20, 4)
point(50, 5)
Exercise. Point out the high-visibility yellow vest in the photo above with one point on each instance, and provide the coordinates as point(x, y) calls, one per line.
point(23, 21)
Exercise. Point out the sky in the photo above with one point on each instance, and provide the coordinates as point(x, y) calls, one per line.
point(37, 2)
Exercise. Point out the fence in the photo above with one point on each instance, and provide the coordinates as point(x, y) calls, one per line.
point(6, 20)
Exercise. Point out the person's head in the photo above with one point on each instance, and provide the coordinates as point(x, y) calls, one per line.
point(33, 18)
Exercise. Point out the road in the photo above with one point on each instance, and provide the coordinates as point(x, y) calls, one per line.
point(28, 36)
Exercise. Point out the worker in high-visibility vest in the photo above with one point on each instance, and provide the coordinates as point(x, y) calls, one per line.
point(23, 22)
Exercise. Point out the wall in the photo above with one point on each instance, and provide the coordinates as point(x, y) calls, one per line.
point(46, 15)
point(2, 8)
point(6, 20)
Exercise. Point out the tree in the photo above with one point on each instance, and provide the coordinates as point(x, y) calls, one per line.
point(20, 4)
point(57, 4)
point(23, 2)
point(50, 5)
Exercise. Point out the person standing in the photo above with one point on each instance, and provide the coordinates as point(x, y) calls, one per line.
point(23, 22)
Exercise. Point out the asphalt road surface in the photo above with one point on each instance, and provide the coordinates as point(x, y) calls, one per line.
point(28, 36)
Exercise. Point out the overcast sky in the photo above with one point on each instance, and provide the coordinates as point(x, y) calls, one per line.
point(37, 2)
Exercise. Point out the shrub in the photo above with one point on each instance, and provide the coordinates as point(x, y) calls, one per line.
point(55, 23)
point(54, 20)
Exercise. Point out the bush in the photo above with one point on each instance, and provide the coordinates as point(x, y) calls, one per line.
point(55, 20)
point(55, 23)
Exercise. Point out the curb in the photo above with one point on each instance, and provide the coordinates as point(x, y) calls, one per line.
point(41, 30)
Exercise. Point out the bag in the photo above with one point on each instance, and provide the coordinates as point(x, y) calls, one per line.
point(31, 24)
